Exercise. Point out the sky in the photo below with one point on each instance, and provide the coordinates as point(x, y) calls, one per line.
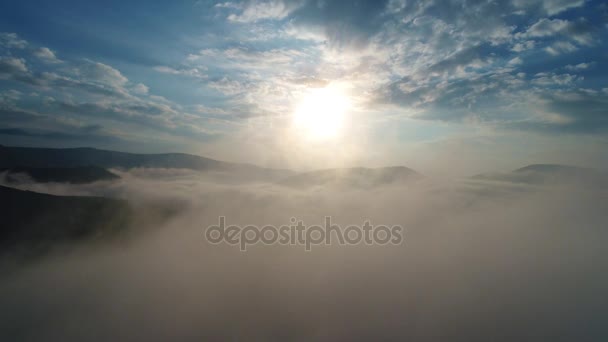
point(468, 86)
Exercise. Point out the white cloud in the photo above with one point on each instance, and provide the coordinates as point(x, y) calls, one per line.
point(214, 111)
point(260, 10)
point(515, 61)
point(9, 66)
point(577, 31)
point(228, 86)
point(549, 7)
point(546, 27)
point(141, 88)
point(46, 55)
point(550, 79)
point(228, 5)
point(9, 97)
point(418, 56)
point(11, 41)
point(166, 70)
point(561, 47)
point(578, 67)
point(249, 59)
point(191, 72)
point(527, 45)
point(102, 73)
point(553, 7)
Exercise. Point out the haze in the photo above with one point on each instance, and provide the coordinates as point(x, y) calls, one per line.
point(129, 128)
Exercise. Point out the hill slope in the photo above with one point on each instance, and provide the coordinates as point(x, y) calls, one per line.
point(11, 157)
point(33, 222)
point(75, 175)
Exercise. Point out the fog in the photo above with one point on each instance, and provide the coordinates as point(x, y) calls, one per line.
point(480, 261)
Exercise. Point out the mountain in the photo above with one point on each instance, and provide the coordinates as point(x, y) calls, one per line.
point(32, 223)
point(358, 177)
point(11, 157)
point(74, 175)
point(542, 174)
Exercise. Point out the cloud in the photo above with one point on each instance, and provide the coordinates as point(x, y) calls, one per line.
point(89, 134)
point(164, 281)
point(546, 102)
point(228, 86)
point(585, 108)
point(527, 45)
point(15, 122)
point(515, 61)
point(46, 55)
point(344, 22)
point(100, 84)
point(553, 7)
point(228, 5)
point(549, 79)
point(560, 47)
point(248, 58)
point(141, 89)
point(12, 41)
point(91, 91)
point(87, 76)
point(458, 59)
point(102, 73)
point(9, 97)
point(578, 31)
point(549, 7)
point(190, 72)
point(471, 62)
point(257, 10)
point(439, 61)
point(12, 67)
point(312, 82)
point(580, 66)
point(546, 27)
point(91, 77)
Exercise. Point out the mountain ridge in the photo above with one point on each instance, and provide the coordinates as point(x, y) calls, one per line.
point(41, 157)
point(33, 222)
point(74, 175)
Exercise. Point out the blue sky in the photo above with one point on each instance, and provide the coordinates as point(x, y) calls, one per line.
point(495, 82)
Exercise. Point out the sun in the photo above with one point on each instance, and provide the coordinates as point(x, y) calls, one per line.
point(320, 114)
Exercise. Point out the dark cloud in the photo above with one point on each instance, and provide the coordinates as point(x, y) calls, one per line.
point(586, 110)
point(90, 134)
point(460, 59)
point(344, 21)
point(12, 67)
point(16, 123)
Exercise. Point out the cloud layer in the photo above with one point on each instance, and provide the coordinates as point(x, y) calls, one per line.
point(480, 261)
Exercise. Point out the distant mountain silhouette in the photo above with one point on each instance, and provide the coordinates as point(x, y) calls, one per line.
point(357, 177)
point(33, 222)
point(75, 175)
point(539, 174)
point(11, 157)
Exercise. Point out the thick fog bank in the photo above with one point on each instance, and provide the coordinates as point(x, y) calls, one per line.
point(479, 262)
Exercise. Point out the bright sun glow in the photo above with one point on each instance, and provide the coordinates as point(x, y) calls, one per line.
point(321, 113)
